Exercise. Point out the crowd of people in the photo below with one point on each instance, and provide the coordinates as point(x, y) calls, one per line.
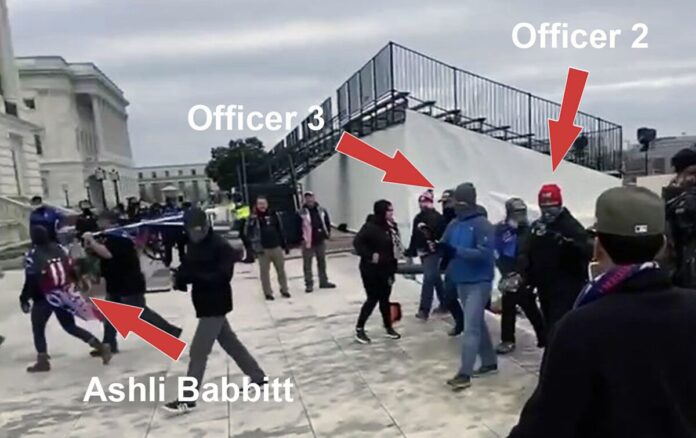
point(613, 305)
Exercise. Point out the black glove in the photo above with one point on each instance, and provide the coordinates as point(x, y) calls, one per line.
point(446, 249)
point(25, 305)
point(179, 280)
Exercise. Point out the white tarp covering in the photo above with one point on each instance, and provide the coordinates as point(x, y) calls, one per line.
point(448, 155)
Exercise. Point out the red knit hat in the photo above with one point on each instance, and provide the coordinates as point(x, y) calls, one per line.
point(427, 196)
point(550, 195)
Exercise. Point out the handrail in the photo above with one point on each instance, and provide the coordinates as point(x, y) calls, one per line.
point(396, 71)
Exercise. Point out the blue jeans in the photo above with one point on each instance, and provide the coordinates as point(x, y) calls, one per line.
point(477, 339)
point(432, 280)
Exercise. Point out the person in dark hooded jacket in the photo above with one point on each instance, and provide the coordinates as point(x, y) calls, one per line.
point(208, 267)
point(47, 265)
point(558, 253)
point(379, 246)
point(428, 226)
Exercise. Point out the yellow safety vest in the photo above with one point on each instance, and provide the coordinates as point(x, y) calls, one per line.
point(243, 212)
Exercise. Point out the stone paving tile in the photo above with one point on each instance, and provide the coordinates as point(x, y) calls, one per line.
point(343, 389)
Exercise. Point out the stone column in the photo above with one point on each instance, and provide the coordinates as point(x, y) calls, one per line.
point(98, 127)
point(8, 69)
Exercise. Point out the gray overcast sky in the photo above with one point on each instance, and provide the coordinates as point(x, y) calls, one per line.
point(168, 55)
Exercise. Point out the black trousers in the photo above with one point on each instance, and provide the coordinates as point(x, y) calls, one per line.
point(452, 304)
point(40, 314)
point(525, 299)
point(148, 315)
point(169, 247)
point(378, 286)
point(556, 302)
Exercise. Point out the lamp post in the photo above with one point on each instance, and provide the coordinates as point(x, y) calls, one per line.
point(100, 175)
point(67, 198)
point(115, 177)
point(88, 186)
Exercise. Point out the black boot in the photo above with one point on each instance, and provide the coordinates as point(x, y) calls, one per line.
point(42, 364)
point(101, 350)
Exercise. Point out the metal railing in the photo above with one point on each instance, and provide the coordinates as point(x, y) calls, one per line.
point(371, 97)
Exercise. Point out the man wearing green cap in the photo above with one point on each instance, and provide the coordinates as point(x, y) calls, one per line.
point(616, 365)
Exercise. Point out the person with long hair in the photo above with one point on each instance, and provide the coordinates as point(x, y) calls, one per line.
point(379, 246)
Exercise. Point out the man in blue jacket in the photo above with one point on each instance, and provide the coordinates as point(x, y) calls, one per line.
point(469, 241)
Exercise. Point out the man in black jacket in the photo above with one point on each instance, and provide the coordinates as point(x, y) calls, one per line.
point(428, 226)
point(558, 254)
point(265, 233)
point(616, 366)
point(87, 220)
point(208, 266)
point(125, 282)
point(680, 199)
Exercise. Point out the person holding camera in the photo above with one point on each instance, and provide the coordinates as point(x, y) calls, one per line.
point(511, 238)
point(428, 227)
point(559, 252)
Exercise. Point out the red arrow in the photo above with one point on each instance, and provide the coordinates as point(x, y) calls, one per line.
point(397, 169)
point(563, 132)
point(126, 319)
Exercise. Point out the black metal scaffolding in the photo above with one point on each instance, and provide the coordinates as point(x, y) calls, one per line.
point(398, 78)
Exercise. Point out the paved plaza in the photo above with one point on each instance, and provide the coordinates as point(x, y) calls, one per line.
point(343, 389)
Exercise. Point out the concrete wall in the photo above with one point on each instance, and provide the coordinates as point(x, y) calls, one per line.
point(19, 167)
point(448, 155)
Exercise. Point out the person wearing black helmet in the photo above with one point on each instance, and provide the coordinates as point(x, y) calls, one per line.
point(511, 238)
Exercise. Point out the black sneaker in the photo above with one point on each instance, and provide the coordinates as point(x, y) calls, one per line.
point(486, 371)
point(440, 311)
point(269, 298)
point(2, 339)
point(327, 285)
point(285, 294)
point(392, 334)
point(459, 382)
point(455, 332)
point(422, 315)
point(309, 289)
point(179, 407)
point(98, 352)
point(505, 348)
point(361, 336)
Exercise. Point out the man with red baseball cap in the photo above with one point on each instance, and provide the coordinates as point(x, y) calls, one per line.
point(558, 251)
